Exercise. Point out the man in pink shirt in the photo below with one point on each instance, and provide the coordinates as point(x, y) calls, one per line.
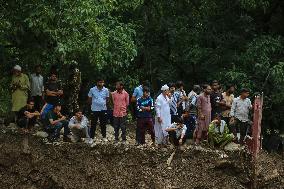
point(120, 100)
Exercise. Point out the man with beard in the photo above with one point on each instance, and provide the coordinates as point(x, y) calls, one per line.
point(204, 114)
point(98, 98)
point(53, 94)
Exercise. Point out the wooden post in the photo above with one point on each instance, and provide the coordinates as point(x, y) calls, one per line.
point(256, 138)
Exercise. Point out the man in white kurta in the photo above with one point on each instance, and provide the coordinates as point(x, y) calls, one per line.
point(163, 116)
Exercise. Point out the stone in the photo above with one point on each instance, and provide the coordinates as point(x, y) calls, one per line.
point(41, 134)
point(232, 147)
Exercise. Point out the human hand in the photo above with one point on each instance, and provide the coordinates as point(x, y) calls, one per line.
point(60, 92)
point(160, 120)
point(232, 121)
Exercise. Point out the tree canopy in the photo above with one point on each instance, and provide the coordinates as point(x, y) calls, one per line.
point(195, 41)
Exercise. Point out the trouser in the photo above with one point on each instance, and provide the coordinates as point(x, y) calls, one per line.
point(119, 123)
point(80, 133)
point(230, 126)
point(174, 118)
point(191, 125)
point(144, 124)
point(54, 130)
point(137, 133)
point(110, 117)
point(174, 139)
point(26, 123)
point(243, 128)
point(102, 116)
point(38, 102)
point(220, 142)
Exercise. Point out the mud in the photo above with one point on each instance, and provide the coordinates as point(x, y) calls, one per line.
point(26, 162)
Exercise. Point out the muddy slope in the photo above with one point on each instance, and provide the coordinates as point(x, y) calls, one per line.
point(28, 163)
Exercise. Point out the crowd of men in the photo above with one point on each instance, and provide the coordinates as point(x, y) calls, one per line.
point(207, 113)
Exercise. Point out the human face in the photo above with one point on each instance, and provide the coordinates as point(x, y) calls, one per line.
point(17, 72)
point(231, 90)
point(218, 119)
point(244, 95)
point(146, 94)
point(186, 114)
point(215, 86)
point(100, 84)
point(38, 70)
point(208, 90)
point(31, 105)
point(53, 77)
point(172, 89)
point(79, 115)
point(118, 86)
point(166, 92)
point(57, 109)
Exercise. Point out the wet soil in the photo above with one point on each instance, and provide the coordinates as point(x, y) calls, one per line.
point(27, 162)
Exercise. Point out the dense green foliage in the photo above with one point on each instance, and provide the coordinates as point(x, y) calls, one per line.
point(162, 40)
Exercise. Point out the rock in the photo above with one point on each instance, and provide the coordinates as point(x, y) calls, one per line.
point(232, 147)
point(275, 174)
point(12, 126)
point(41, 134)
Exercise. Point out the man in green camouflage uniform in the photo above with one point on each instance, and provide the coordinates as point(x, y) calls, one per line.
point(73, 85)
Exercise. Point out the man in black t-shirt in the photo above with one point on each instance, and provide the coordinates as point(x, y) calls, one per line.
point(27, 116)
point(54, 121)
point(216, 99)
point(53, 90)
point(53, 94)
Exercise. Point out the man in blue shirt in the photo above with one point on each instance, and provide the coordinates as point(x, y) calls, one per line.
point(98, 98)
point(145, 106)
point(138, 91)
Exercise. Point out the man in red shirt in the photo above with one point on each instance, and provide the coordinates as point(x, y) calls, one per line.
point(120, 100)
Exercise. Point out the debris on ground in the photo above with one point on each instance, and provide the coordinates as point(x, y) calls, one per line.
point(27, 162)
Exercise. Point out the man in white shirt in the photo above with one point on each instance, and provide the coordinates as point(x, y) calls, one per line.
point(240, 115)
point(177, 132)
point(78, 124)
point(37, 89)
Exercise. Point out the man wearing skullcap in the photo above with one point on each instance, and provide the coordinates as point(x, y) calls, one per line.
point(20, 86)
point(163, 116)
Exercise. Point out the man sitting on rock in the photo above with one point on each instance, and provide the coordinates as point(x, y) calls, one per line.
point(177, 132)
point(218, 133)
point(79, 127)
point(27, 116)
point(55, 121)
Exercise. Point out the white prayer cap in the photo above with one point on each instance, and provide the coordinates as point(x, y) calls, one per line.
point(17, 67)
point(165, 87)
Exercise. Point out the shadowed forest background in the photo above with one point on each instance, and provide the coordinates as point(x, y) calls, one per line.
point(234, 41)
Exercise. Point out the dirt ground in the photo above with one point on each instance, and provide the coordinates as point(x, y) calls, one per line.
point(26, 162)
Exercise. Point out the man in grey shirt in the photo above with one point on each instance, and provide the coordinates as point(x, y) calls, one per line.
point(240, 115)
point(78, 124)
point(36, 81)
